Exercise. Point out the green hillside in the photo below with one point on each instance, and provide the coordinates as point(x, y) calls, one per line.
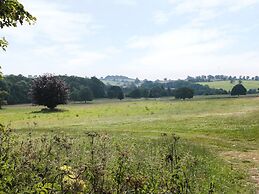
point(226, 85)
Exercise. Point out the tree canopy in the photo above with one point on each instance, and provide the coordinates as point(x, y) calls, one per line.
point(238, 89)
point(49, 91)
point(183, 93)
point(136, 93)
point(115, 92)
point(13, 13)
point(86, 94)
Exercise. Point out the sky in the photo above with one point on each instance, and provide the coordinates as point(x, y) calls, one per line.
point(148, 39)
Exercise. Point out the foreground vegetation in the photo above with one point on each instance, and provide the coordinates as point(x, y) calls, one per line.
point(134, 146)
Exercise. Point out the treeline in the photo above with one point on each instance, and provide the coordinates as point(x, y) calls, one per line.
point(17, 88)
point(87, 89)
point(151, 89)
point(80, 89)
point(211, 78)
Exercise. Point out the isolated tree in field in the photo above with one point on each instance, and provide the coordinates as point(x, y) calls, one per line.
point(86, 94)
point(49, 91)
point(183, 93)
point(238, 89)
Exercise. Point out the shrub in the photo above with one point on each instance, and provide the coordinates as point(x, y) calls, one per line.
point(238, 89)
point(183, 93)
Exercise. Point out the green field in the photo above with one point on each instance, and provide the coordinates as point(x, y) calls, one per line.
point(226, 85)
point(225, 131)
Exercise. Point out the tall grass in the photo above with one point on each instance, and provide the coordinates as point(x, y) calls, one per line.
point(97, 163)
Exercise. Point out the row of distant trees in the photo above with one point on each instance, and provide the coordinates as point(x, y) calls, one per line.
point(51, 91)
point(16, 89)
point(210, 78)
point(87, 89)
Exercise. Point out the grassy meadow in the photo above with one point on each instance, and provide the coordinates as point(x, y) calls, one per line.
point(222, 133)
point(226, 85)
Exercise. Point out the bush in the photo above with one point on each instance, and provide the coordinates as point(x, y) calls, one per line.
point(183, 93)
point(49, 91)
point(238, 89)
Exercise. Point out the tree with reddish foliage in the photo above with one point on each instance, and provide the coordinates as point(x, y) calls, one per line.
point(50, 91)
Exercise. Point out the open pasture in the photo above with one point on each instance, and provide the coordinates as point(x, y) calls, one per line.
point(226, 85)
point(226, 130)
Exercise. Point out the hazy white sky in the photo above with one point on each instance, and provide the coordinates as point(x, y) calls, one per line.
point(137, 38)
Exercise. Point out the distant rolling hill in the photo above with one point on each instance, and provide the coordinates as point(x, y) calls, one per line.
point(118, 80)
point(226, 85)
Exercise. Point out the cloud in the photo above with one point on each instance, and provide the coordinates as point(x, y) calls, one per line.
point(187, 50)
point(170, 38)
point(175, 39)
point(126, 2)
point(55, 24)
point(201, 11)
point(161, 17)
point(186, 6)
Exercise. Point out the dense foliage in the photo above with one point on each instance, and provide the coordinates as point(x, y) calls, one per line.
point(12, 13)
point(18, 87)
point(183, 93)
point(115, 92)
point(155, 90)
point(86, 94)
point(59, 164)
point(75, 84)
point(3, 95)
point(49, 91)
point(238, 89)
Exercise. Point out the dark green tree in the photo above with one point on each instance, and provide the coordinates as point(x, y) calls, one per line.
point(17, 87)
point(120, 95)
point(144, 92)
point(50, 91)
point(3, 95)
point(97, 87)
point(74, 95)
point(136, 93)
point(183, 93)
point(86, 94)
point(238, 89)
point(156, 92)
point(115, 92)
